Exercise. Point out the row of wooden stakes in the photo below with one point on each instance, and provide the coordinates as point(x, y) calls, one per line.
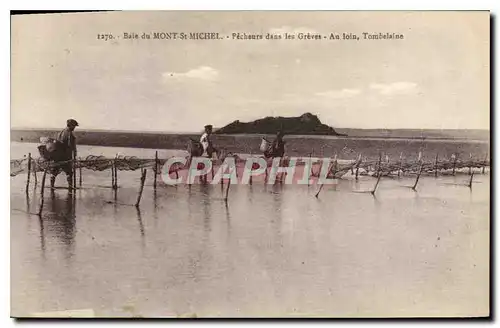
point(377, 168)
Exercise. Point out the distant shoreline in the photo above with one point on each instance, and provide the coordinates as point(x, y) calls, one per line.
point(314, 136)
point(296, 145)
point(412, 134)
point(302, 144)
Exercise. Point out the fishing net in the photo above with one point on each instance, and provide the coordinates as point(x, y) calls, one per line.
point(132, 163)
point(91, 162)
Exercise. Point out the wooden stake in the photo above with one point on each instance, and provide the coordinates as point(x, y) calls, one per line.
point(227, 190)
point(74, 170)
point(379, 163)
point(29, 173)
point(320, 187)
point(42, 189)
point(143, 179)
point(80, 171)
point(357, 166)
point(400, 165)
point(116, 173)
point(335, 164)
point(436, 166)
point(329, 170)
point(35, 176)
point(376, 184)
point(470, 164)
point(454, 157)
point(310, 174)
point(155, 170)
point(113, 174)
point(418, 177)
point(379, 175)
point(213, 162)
point(312, 166)
point(484, 164)
point(250, 180)
point(470, 182)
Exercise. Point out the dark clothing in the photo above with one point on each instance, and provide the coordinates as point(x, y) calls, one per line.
point(59, 153)
point(67, 138)
point(67, 148)
point(277, 149)
point(64, 167)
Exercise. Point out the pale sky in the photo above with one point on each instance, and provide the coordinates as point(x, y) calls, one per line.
point(436, 77)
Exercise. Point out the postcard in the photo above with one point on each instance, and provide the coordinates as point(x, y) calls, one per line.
point(250, 164)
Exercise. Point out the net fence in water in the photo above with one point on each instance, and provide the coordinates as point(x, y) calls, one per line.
point(91, 162)
point(365, 166)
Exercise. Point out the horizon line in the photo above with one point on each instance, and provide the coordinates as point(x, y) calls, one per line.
point(215, 129)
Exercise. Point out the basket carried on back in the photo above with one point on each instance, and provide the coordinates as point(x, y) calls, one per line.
point(53, 150)
point(194, 148)
point(264, 145)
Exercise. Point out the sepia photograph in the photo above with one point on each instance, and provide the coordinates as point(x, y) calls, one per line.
point(250, 164)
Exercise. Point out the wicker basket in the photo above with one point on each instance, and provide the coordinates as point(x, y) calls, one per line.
point(264, 145)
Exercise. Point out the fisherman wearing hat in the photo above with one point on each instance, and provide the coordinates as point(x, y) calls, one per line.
point(277, 148)
point(206, 142)
point(67, 141)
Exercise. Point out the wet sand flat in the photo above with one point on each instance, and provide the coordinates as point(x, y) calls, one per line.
point(271, 251)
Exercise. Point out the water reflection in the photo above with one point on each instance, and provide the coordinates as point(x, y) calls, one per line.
point(60, 222)
point(28, 213)
point(228, 219)
point(155, 209)
point(207, 213)
point(277, 204)
point(253, 252)
point(200, 212)
point(377, 205)
point(115, 204)
point(250, 194)
point(139, 218)
point(42, 236)
point(28, 205)
point(141, 229)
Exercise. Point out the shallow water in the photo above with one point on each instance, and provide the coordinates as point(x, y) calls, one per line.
point(272, 251)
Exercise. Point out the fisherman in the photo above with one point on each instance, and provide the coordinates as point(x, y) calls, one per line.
point(277, 148)
point(206, 142)
point(206, 148)
point(67, 151)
